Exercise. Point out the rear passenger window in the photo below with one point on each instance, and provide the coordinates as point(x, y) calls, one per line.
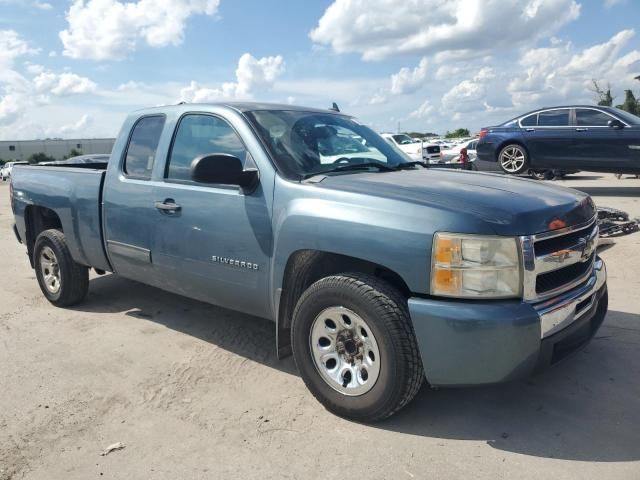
point(554, 118)
point(199, 135)
point(586, 117)
point(530, 121)
point(142, 147)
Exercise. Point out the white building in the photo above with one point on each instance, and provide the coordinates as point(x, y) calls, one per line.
point(16, 150)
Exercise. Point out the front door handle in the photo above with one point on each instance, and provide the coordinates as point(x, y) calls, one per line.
point(168, 206)
point(581, 129)
point(529, 129)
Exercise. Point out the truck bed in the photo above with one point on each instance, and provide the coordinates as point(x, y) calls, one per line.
point(74, 195)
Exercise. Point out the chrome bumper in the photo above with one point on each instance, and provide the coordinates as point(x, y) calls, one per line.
point(559, 312)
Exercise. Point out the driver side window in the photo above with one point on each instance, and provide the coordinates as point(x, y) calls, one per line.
point(198, 135)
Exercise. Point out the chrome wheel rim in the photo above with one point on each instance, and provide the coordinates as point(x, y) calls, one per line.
point(50, 270)
point(344, 351)
point(512, 159)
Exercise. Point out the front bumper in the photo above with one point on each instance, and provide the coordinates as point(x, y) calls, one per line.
point(477, 343)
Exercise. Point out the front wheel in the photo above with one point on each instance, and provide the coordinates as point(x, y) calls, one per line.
point(62, 281)
point(513, 159)
point(355, 348)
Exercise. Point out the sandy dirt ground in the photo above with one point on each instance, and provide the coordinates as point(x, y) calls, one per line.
point(195, 392)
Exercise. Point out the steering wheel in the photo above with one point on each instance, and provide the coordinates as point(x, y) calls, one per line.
point(341, 161)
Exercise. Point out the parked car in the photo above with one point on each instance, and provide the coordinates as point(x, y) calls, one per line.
point(416, 149)
point(377, 273)
point(580, 137)
point(453, 153)
point(5, 173)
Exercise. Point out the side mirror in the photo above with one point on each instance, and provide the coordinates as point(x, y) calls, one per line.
point(615, 123)
point(224, 169)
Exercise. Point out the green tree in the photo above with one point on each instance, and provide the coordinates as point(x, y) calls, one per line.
point(459, 132)
point(73, 153)
point(421, 135)
point(40, 157)
point(630, 103)
point(2, 162)
point(603, 97)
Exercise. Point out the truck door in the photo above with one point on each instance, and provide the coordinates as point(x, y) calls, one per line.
point(211, 242)
point(128, 200)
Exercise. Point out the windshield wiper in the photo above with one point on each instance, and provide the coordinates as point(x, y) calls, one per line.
point(351, 167)
point(406, 165)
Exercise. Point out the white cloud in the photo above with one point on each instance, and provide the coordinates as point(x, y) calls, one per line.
point(378, 98)
point(43, 5)
point(613, 3)
point(63, 84)
point(131, 85)
point(423, 111)
point(12, 46)
point(251, 74)
point(33, 68)
point(407, 80)
point(109, 29)
point(10, 108)
point(378, 29)
point(557, 74)
point(72, 128)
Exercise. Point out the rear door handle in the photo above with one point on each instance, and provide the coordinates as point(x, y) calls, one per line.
point(168, 206)
point(581, 129)
point(529, 129)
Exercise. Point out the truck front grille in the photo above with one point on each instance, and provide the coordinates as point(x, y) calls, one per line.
point(556, 262)
point(547, 282)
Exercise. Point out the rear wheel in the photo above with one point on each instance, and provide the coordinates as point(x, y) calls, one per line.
point(62, 281)
point(354, 346)
point(513, 159)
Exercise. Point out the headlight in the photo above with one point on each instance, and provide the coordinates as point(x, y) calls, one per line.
point(475, 266)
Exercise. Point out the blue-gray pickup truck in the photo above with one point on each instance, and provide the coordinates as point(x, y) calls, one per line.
point(379, 274)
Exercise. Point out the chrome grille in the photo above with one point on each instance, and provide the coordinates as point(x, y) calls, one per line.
point(558, 261)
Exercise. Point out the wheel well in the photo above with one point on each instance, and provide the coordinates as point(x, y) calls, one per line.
point(305, 267)
point(37, 220)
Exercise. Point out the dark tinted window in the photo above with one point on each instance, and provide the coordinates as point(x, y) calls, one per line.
point(142, 147)
point(591, 118)
point(553, 118)
point(530, 121)
point(201, 135)
point(630, 118)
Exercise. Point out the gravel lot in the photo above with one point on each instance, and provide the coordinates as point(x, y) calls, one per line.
point(195, 391)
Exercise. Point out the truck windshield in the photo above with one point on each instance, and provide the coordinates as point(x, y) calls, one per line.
point(305, 143)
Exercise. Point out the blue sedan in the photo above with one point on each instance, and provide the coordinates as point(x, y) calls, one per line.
point(579, 137)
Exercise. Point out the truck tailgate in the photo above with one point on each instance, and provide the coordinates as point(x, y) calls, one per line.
point(75, 195)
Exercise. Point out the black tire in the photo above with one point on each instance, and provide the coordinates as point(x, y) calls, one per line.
point(386, 313)
point(73, 278)
point(517, 155)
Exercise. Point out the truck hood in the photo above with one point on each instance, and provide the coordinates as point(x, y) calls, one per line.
point(512, 206)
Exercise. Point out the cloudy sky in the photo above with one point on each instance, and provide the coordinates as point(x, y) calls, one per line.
point(76, 68)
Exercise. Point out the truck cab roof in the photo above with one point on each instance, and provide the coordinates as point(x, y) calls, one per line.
point(241, 107)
